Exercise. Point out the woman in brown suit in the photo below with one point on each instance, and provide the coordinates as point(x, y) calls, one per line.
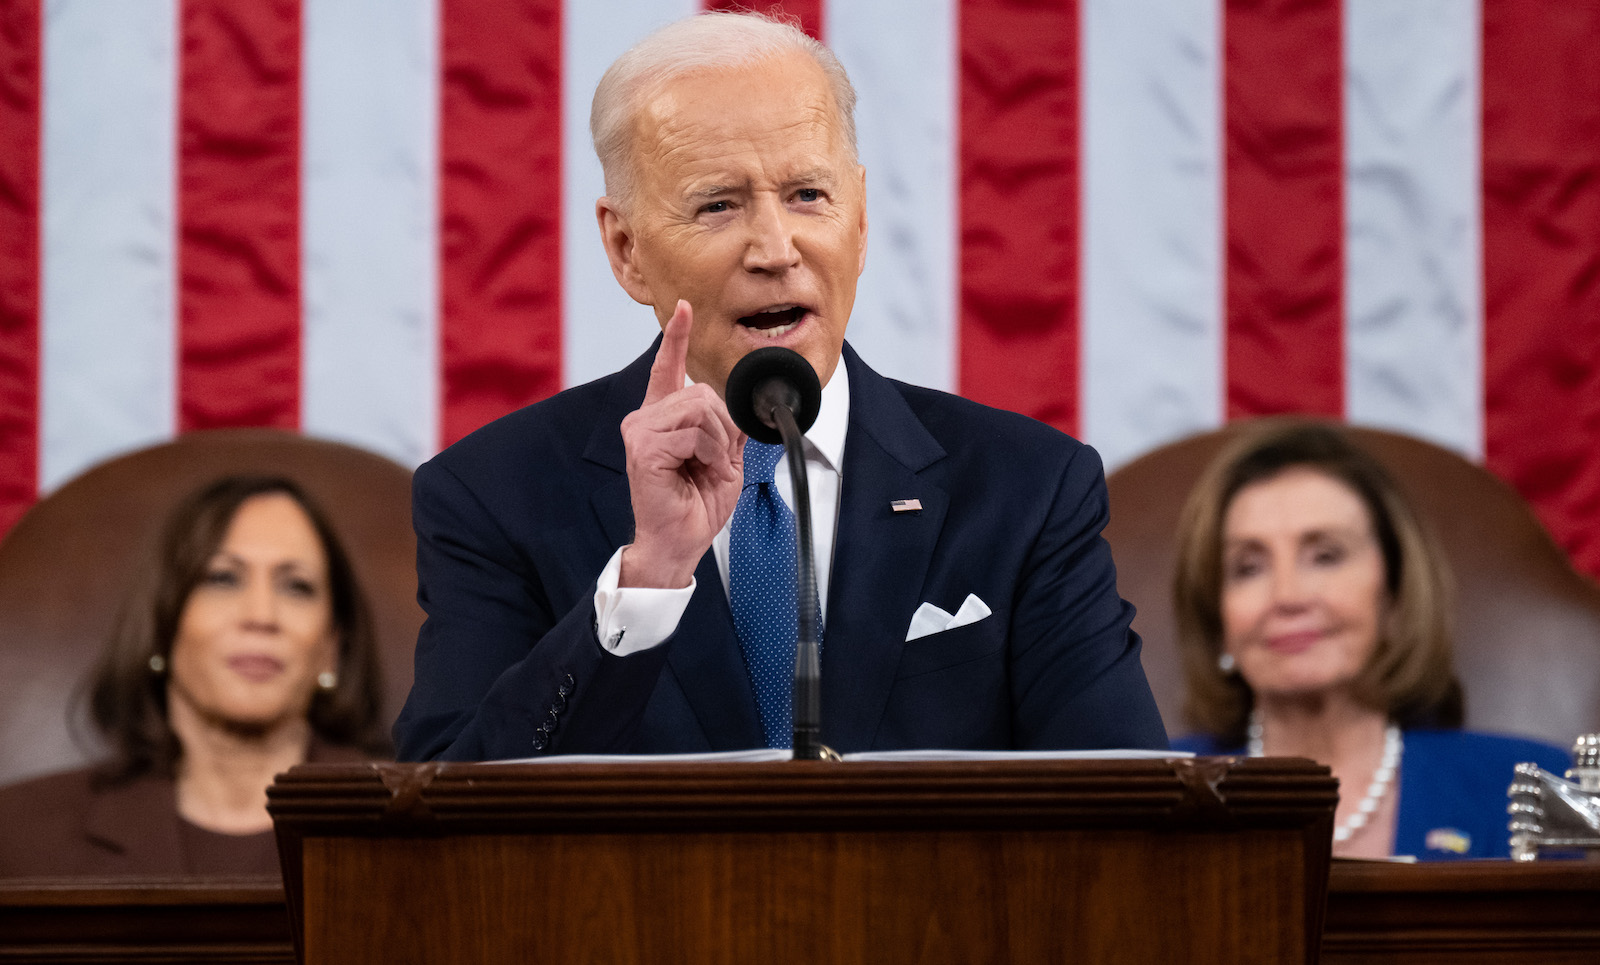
point(246, 649)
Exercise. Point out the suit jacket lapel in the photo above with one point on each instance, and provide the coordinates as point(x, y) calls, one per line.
point(881, 557)
point(138, 819)
point(612, 504)
point(705, 660)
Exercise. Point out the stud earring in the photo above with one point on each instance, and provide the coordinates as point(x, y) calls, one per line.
point(1226, 663)
point(327, 680)
point(158, 663)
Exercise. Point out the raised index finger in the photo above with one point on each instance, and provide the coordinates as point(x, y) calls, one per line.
point(667, 371)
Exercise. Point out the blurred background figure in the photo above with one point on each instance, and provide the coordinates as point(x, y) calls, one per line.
point(1312, 607)
point(245, 648)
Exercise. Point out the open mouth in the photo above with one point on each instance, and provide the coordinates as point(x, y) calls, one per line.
point(775, 321)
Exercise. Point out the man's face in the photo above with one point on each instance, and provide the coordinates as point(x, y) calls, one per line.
point(748, 205)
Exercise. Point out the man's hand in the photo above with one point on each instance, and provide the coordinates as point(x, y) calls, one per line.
point(685, 467)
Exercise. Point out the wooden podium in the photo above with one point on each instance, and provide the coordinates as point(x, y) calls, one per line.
point(1173, 861)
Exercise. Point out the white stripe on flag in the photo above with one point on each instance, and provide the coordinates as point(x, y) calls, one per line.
point(1152, 230)
point(368, 214)
point(1413, 240)
point(602, 328)
point(901, 56)
point(107, 379)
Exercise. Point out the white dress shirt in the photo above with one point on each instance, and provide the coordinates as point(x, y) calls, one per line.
point(631, 619)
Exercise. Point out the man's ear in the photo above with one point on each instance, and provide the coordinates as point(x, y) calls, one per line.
point(861, 256)
point(617, 235)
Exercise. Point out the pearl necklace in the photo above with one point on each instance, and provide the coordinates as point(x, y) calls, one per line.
point(1376, 791)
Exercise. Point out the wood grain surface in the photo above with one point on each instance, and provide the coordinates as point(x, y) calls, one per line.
point(1097, 861)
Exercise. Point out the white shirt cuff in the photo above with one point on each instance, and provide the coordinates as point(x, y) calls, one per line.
point(634, 618)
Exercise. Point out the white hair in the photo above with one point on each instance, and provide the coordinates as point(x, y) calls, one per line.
point(705, 41)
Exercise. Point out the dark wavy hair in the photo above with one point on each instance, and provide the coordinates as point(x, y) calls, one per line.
point(1411, 675)
point(127, 700)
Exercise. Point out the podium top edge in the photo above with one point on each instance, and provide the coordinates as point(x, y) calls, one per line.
point(384, 797)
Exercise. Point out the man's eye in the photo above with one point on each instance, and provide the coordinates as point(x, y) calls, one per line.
point(808, 195)
point(715, 207)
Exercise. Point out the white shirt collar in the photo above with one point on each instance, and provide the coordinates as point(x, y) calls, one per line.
point(825, 440)
point(826, 437)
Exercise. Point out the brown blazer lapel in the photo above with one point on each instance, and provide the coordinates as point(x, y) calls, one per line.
point(138, 822)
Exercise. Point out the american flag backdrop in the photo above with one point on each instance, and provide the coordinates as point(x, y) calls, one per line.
point(372, 220)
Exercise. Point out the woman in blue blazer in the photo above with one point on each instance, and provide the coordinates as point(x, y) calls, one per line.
point(1312, 608)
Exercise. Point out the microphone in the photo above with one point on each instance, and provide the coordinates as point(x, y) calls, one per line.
point(773, 395)
point(765, 379)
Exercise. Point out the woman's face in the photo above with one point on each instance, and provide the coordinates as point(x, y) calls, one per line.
point(258, 629)
point(1303, 584)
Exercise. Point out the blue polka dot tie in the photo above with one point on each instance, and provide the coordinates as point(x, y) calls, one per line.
point(761, 589)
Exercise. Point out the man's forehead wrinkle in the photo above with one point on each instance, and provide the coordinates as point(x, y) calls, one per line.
point(670, 113)
point(710, 165)
point(680, 140)
point(674, 132)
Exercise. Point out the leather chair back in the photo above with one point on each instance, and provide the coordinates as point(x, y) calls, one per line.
point(1527, 624)
point(66, 565)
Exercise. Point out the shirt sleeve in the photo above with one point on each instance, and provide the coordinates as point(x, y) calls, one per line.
point(635, 618)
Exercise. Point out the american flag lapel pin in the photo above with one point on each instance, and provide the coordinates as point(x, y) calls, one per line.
point(906, 505)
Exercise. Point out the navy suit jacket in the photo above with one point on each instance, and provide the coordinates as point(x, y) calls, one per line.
point(515, 522)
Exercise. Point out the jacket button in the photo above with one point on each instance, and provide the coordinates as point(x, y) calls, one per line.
point(541, 740)
point(560, 702)
point(569, 682)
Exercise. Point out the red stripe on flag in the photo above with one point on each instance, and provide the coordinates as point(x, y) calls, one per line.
point(20, 65)
point(1019, 164)
point(808, 12)
point(500, 209)
point(239, 214)
point(1284, 196)
point(1541, 241)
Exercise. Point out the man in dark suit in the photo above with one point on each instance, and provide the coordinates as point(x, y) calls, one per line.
point(574, 557)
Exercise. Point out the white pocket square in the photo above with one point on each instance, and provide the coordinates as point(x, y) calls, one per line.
point(930, 619)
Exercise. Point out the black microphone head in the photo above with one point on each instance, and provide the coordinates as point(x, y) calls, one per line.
point(769, 375)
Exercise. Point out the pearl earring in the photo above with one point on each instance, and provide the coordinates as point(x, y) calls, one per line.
point(327, 680)
point(158, 663)
point(1226, 663)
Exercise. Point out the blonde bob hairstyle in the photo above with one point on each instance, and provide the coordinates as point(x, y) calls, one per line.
point(1410, 675)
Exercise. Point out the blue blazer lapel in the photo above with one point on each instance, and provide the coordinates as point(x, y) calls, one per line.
point(705, 662)
point(880, 558)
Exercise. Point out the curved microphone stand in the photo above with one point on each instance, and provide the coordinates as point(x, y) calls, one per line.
point(773, 395)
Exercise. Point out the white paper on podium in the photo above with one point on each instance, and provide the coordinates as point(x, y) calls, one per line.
point(756, 755)
point(1113, 754)
point(759, 755)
